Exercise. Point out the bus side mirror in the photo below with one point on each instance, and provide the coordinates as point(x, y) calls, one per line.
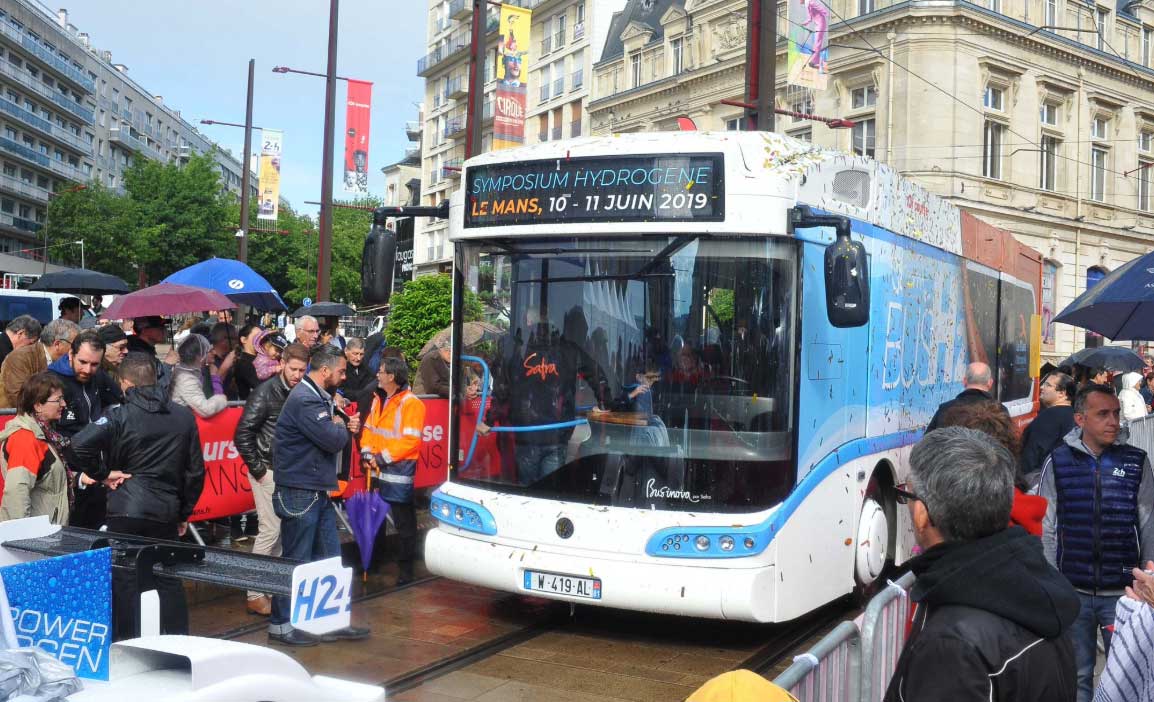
point(847, 282)
point(378, 263)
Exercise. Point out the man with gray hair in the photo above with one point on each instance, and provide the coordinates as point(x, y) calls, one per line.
point(992, 614)
point(433, 373)
point(22, 331)
point(308, 331)
point(25, 362)
point(979, 386)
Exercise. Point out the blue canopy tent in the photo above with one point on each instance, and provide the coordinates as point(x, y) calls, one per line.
point(232, 279)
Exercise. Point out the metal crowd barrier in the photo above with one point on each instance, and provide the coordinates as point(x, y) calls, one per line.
point(854, 662)
point(1142, 433)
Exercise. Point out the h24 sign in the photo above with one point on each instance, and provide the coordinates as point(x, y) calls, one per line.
point(322, 596)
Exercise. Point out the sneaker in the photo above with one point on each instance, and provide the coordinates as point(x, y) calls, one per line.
point(349, 633)
point(294, 637)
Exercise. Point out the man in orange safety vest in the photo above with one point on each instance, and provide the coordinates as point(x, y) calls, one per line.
point(390, 446)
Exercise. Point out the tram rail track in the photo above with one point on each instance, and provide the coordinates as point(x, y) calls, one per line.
point(795, 634)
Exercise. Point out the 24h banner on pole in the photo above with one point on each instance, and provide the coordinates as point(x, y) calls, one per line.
point(513, 64)
point(357, 136)
point(270, 147)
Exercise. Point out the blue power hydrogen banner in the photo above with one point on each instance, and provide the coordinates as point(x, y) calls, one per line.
point(649, 188)
point(63, 606)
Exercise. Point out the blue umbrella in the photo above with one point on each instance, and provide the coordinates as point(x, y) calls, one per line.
point(366, 511)
point(233, 279)
point(1120, 306)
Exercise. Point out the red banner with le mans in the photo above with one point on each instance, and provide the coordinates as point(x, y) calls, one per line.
point(226, 487)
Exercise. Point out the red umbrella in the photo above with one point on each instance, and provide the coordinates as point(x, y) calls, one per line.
point(166, 299)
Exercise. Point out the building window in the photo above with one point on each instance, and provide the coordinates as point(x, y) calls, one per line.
point(1049, 301)
point(580, 13)
point(1098, 174)
point(559, 31)
point(1145, 141)
point(1103, 15)
point(1049, 113)
point(803, 135)
point(864, 132)
point(994, 99)
point(864, 7)
point(1048, 166)
point(1144, 185)
point(1098, 127)
point(994, 136)
point(1094, 275)
point(863, 97)
point(996, 5)
point(803, 105)
point(635, 70)
point(733, 125)
point(1147, 37)
point(677, 52)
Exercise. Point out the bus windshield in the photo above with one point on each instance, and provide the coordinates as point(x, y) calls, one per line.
point(653, 372)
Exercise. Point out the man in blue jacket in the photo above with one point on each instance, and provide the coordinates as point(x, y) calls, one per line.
point(309, 440)
point(1098, 524)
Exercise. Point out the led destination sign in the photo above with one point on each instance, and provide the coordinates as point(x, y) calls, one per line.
point(652, 188)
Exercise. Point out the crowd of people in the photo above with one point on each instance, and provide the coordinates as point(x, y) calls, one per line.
point(105, 436)
point(1032, 548)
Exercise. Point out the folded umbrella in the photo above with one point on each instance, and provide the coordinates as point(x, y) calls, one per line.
point(166, 299)
point(366, 511)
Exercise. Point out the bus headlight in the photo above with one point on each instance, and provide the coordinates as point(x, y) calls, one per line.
point(726, 543)
point(702, 543)
point(462, 514)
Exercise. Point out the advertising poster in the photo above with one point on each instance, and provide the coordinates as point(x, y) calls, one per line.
point(808, 41)
point(226, 488)
point(270, 151)
point(63, 606)
point(513, 65)
point(357, 137)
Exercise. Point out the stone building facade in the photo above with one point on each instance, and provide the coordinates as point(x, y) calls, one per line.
point(1035, 115)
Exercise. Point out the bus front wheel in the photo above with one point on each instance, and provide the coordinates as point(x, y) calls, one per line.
point(873, 549)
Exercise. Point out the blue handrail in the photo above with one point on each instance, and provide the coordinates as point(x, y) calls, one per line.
point(511, 430)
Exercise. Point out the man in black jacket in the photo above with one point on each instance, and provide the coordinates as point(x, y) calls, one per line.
point(77, 370)
point(254, 438)
point(1050, 427)
point(158, 445)
point(979, 384)
point(992, 615)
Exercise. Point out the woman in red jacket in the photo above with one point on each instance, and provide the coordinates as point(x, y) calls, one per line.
point(1028, 510)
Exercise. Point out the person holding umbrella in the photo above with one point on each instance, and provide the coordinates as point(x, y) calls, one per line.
point(390, 447)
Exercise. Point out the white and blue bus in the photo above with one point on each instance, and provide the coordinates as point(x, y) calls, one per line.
point(715, 353)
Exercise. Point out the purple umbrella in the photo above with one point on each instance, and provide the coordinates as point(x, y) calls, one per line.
point(367, 512)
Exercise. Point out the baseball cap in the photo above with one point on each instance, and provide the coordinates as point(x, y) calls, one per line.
point(277, 339)
point(141, 323)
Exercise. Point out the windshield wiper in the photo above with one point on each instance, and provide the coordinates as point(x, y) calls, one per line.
point(667, 253)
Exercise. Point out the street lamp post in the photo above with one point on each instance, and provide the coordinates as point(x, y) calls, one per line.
point(81, 242)
point(245, 176)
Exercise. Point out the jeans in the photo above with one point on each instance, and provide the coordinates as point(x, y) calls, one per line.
point(308, 532)
point(535, 461)
point(1097, 613)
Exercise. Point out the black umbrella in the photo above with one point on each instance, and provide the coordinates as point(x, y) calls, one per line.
point(326, 309)
point(80, 281)
point(1112, 358)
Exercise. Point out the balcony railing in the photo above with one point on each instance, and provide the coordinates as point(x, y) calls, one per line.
point(578, 30)
point(556, 133)
point(488, 111)
point(578, 79)
point(26, 79)
point(18, 149)
point(456, 88)
point(455, 127)
point(452, 169)
point(413, 152)
point(544, 93)
point(44, 126)
point(25, 189)
point(559, 39)
point(559, 86)
point(456, 43)
point(50, 59)
point(543, 135)
point(546, 45)
point(125, 138)
point(68, 171)
point(575, 128)
point(21, 223)
point(460, 9)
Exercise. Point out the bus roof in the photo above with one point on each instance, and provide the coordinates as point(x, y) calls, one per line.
point(765, 175)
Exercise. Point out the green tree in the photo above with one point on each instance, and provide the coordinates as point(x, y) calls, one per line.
point(350, 227)
point(423, 307)
point(278, 257)
point(179, 214)
point(104, 220)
